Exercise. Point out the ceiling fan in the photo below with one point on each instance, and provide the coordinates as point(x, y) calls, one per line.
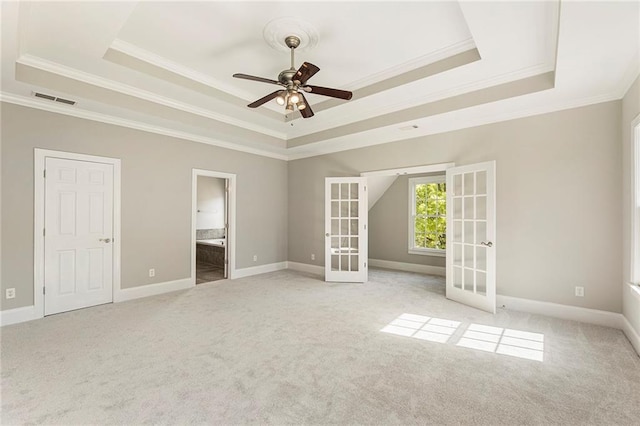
point(295, 83)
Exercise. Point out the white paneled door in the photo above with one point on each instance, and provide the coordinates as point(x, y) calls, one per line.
point(471, 243)
point(346, 213)
point(78, 234)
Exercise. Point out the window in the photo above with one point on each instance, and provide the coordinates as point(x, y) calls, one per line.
point(427, 216)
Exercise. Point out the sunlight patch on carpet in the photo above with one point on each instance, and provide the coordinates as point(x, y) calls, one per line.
point(503, 341)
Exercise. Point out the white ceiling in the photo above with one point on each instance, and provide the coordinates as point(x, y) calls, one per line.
point(431, 67)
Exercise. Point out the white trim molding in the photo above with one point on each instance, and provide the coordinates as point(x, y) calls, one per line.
point(152, 289)
point(631, 334)
point(408, 267)
point(307, 268)
point(557, 310)
point(125, 89)
point(58, 108)
point(261, 269)
point(18, 315)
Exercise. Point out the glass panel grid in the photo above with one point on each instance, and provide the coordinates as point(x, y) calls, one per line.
point(429, 215)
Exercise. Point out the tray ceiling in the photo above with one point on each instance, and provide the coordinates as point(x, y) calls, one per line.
point(415, 68)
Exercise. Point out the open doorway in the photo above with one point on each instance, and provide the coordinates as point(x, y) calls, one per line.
point(407, 227)
point(212, 233)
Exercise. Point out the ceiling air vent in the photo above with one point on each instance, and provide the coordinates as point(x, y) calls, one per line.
point(53, 98)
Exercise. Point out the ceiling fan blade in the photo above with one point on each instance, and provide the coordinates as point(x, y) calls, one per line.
point(305, 72)
point(264, 100)
point(326, 91)
point(306, 112)
point(254, 78)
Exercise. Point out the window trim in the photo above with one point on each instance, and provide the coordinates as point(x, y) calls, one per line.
point(635, 203)
point(411, 200)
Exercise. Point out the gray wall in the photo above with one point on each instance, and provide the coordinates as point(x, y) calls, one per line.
point(630, 109)
point(558, 199)
point(389, 227)
point(156, 197)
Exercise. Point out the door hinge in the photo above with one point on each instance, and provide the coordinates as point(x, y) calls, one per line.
point(365, 188)
point(365, 226)
point(44, 232)
point(226, 261)
point(365, 264)
point(44, 291)
point(44, 173)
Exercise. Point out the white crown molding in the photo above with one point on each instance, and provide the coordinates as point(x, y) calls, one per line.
point(419, 62)
point(72, 73)
point(175, 68)
point(461, 89)
point(118, 121)
point(449, 123)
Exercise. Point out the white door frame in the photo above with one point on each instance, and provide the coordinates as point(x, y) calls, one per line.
point(231, 208)
point(40, 156)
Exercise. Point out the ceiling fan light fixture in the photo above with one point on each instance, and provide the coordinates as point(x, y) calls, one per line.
point(289, 107)
point(280, 99)
point(294, 97)
point(301, 105)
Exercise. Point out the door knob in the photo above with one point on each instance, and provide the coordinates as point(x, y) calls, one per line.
point(488, 244)
point(327, 234)
point(106, 240)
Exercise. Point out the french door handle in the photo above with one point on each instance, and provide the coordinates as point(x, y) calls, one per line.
point(106, 240)
point(488, 244)
point(327, 235)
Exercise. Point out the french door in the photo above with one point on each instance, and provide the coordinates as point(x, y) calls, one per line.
point(471, 243)
point(346, 215)
point(78, 234)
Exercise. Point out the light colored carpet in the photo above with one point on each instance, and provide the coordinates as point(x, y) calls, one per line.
point(287, 348)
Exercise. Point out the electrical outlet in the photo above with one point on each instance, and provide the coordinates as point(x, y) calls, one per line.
point(10, 293)
point(579, 291)
point(152, 272)
point(255, 257)
point(313, 256)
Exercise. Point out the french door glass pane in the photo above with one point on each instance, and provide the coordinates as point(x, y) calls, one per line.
point(354, 209)
point(481, 283)
point(481, 258)
point(457, 277)
point(481, 207)
point(481, 182)
point(468, 279)
point(468, 183)
point(335, 191)
point(457, 231)
point(344, 191)
point(457, 185)
point(457, 208)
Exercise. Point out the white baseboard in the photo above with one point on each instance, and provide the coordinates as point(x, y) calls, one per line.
point(556, 310)
point(305, 267)
point(408, 267)
point(262, 269)
point(152, 289)
point(631, 334)
point(17, 315)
